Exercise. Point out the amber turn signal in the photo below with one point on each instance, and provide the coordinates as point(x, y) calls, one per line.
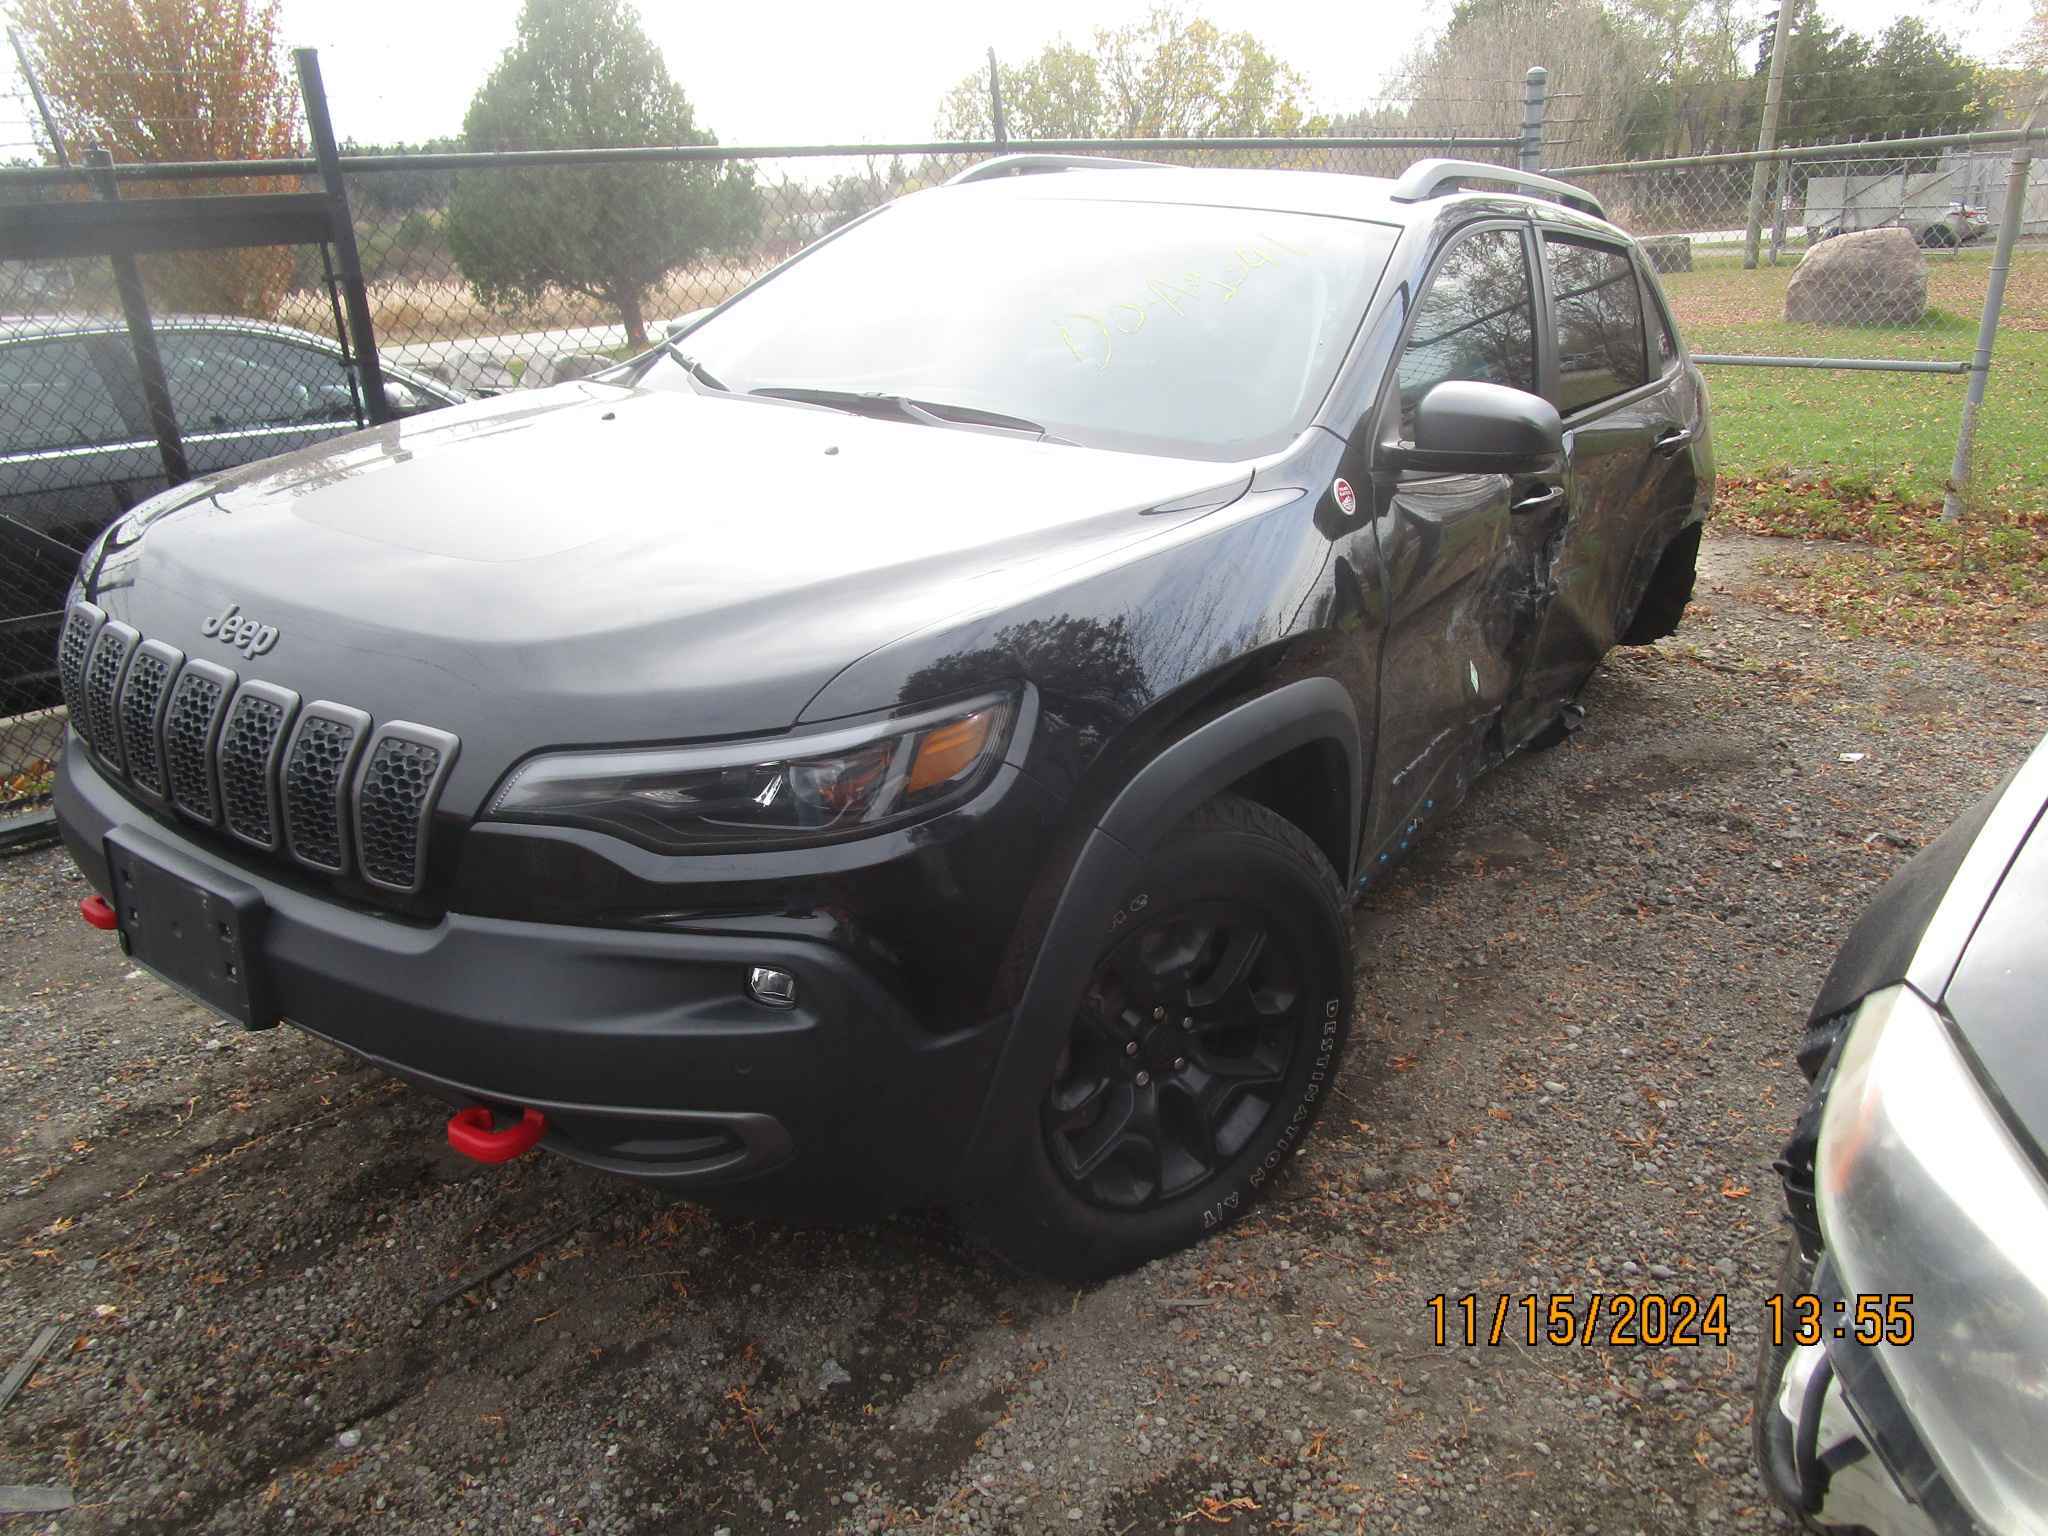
point(950, 750)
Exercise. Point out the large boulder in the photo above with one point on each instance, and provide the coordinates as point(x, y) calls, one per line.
point(1873, 277)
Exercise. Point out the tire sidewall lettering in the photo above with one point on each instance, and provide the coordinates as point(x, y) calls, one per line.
point(1221, 1213)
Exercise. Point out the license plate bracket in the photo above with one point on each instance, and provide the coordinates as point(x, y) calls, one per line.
point(195, 928)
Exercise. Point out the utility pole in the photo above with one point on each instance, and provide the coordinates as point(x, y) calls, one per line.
point(995, 101)
point(1767, 135)
point(35, 89)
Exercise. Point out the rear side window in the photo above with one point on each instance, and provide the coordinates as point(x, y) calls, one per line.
point(1476, 321)
point(1599, 307)
point(51, 396)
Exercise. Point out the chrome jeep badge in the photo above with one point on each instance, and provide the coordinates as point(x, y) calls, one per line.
point(245, 635)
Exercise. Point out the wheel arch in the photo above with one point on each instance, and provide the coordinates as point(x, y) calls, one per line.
point(1290, 744)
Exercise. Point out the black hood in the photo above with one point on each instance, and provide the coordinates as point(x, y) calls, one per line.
point(591, 564)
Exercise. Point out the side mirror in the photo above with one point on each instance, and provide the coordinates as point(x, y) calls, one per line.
point(402, 399)
point(1466, 428)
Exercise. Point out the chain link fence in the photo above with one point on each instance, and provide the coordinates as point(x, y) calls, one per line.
point(1909, 287)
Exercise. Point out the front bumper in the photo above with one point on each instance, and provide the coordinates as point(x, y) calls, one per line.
point(1836, 1446)
point(641, 1046)
point(1819, 1464)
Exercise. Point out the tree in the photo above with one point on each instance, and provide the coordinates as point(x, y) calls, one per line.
point(1693, 100)
point(1466, 80)
point(581, 74)
point(1172, 75)
point(177, 80)
point(1930, 85)
point(1840, 86)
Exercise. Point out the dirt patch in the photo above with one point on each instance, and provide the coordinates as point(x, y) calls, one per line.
point(1570, 1071)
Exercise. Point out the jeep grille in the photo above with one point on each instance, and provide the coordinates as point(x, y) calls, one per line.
point(323, 783)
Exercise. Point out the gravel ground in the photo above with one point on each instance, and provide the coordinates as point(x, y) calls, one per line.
point(1570, 1071)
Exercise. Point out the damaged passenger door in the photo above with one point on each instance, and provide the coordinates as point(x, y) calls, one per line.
point(1462, 552)
point(1625, 428)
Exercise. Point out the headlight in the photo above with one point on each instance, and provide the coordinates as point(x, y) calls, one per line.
point(1924, 1191)
point(805, 787)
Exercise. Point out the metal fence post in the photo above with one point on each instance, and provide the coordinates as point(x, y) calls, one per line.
point(156, 393)
point(348, 261)
point(2014, 215)
point(1534, 87)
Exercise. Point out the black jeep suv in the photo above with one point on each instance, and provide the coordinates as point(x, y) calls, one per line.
point(911, 737)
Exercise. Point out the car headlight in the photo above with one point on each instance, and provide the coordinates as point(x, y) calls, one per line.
point(1923, 1190)
point(810, 786)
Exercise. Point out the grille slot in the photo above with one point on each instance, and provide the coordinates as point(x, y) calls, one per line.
point(143, 698)
point(319, 763)
point(104, 669)
point(191, 729)
point(81, 624)
point(251, 740)
point(396, 788)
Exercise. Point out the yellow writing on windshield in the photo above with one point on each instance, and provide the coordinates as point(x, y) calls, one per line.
point(1091, 335)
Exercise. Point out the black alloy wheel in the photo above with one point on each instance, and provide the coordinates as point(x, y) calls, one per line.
point(1178, 1054)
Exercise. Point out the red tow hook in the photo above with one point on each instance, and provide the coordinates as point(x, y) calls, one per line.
point(95, 910)
point(470, 1133)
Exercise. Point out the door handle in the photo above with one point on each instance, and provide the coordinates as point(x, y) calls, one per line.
point(1672, 441)
point(1539, 500)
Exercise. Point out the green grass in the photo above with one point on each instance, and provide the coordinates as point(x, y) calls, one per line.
point(1863, 458)
point(1892, 433)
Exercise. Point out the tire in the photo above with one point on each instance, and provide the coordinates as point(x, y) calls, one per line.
point(1230, 990)
point(1670, 589)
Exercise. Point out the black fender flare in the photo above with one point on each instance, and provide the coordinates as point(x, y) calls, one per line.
point(1194, 769)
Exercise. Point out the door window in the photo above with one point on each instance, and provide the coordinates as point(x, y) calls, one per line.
point(1599, 309)
point(221, 380)
point(51, 396)
point(1475, 321)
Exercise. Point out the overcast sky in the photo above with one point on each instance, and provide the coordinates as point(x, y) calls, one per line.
point(806, 71)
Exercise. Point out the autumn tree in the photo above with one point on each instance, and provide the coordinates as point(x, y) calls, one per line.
point(177, 80)
point(581, 74)
point(1172, 75)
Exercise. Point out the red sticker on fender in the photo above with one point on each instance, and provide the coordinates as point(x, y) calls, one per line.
point(1347, 499)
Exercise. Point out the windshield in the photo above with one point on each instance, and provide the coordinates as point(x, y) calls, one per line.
point(1201, 332)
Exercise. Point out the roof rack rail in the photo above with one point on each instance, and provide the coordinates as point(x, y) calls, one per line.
point(1035, 165)
point(1433, 178)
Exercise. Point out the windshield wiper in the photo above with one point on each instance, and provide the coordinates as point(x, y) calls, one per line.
point(930, 413)
point(692, 367)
